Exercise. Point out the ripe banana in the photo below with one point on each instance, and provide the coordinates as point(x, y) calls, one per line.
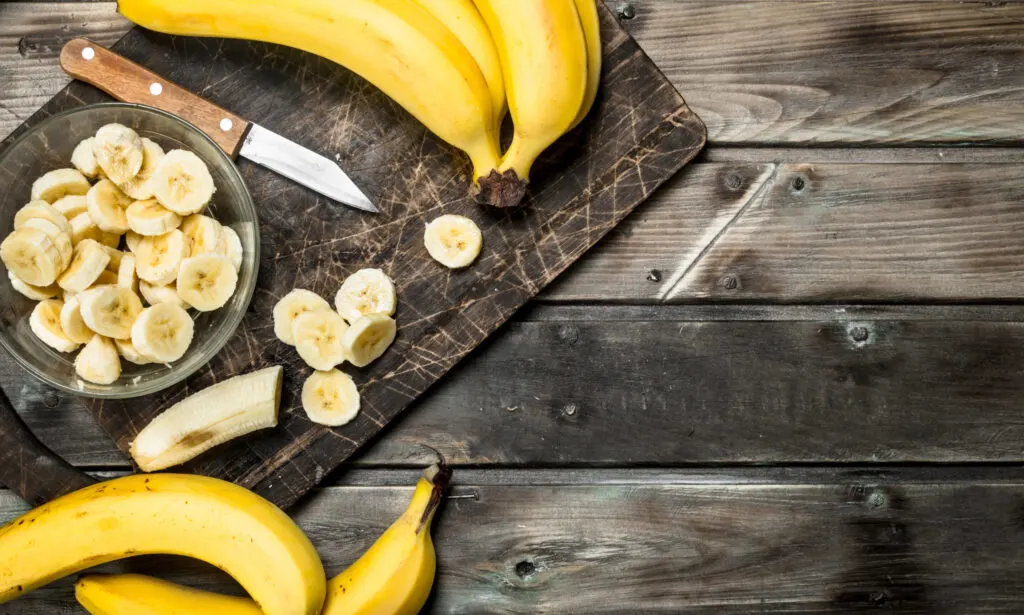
point(367, 291)
point(195, 516)
point(543, 54)
point(139, 187)
point(393, 577)
point(206, 282)
point(367, 338)
point(194, 425)
point(162, 332)
point(330, 398)
point(591, 22)
point(291, 306)
point(454, 241)
point(395, 44)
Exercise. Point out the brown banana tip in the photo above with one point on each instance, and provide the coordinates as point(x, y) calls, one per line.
point(502, 190)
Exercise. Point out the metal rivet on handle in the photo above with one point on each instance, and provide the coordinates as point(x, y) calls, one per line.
point(156, 89)
point(225, 124)
point(88, 53)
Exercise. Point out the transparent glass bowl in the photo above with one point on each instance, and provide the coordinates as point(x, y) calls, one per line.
point(47, 146)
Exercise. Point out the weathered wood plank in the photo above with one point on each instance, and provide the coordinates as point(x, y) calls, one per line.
point(764, 72)
point(696, 386)
point(853, 541)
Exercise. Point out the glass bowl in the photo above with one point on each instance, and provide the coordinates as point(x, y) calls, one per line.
point(47, 146)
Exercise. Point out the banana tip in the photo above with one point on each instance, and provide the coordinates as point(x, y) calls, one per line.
point(501, 190)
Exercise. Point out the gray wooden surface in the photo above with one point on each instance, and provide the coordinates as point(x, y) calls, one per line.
point(847, 313)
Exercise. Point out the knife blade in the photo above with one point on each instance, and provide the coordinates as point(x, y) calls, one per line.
point(128, 82)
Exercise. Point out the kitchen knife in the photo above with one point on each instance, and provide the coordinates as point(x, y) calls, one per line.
point(129, 82)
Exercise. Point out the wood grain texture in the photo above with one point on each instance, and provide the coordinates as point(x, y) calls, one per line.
point(784, 72)
point(640, 133)
point(837, 543)
point(670, 386)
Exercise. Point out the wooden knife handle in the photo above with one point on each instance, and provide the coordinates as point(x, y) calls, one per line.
point(128, 82)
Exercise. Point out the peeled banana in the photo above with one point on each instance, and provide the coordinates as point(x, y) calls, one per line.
point(195, 516)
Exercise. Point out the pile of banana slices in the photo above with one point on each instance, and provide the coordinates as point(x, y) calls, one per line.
point(67, 243)
point(358, 330)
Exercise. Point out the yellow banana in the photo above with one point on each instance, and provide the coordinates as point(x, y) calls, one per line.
point(394, 44)
point(393, 577)
point(204, 518)
point(591, 22)
point(543, 54)
point(465, 22)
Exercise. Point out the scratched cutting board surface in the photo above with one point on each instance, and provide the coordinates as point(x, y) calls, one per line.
point(639, 134)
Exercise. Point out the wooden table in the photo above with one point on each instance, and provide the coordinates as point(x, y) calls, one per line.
point(793, 381)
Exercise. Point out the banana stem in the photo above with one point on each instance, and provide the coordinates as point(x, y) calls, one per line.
point(502, 190)
point(439, 476)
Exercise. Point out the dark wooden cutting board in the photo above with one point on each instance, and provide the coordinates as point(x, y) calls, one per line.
point(638, 135)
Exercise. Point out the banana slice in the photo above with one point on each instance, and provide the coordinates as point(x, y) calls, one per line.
point(132, 239)
point(163, 332)
point(32, 256)
point(59, 183)
point(150, 218)
point(318, 338)
point(207, 281)
point(118, 151)
point(115, 259)
point(71, 205)
point(453, 241)
point(110, 310)
point(330, 398)
point(84, 160)
point(231, 246)
point(161, 294)
point(367, 291)
point(226, 410)
point(45, 323)
point(182, 183)
point(158, 258)
point(35, 293)
point(82, 227)
point(72, 323)
point(41, 210)
point(203, 233)
point(368, 338)
point(130, 353)
point(107, 278)
point(289, 307)
point(59, 238)
point(88, 262)
point(139, 187)
point(107, 205)
point(126, 276)
point(98, 362)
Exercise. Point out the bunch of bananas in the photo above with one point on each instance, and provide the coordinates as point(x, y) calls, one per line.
point(224, 525)
point(456, 65)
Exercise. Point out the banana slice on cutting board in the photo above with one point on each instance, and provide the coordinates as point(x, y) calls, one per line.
point(107, 205)
point(318, 336)
point(454, 241)
point(118, 151)
point(71, 205)
point(367, 291)
point(330, 398)
point(130, 353)
point(158, 258)
point(150, 218)
point(84, 160)
point(110, 310)
point(224, 411)
point(98, 362)
point(206, 282)
point(42, 210)
point(291, 306)
point(45, 323)
point(161, 294)
point(368, 337)
point(139, 187)
point(32, 256)
point(231, 246)
point(35, 293)
point(163, 332)
point(203, 233)
point(182, 182)
point(59, 183)
point(89, 261)
point(72, 323)
point(83, 227)
point(59, 238)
